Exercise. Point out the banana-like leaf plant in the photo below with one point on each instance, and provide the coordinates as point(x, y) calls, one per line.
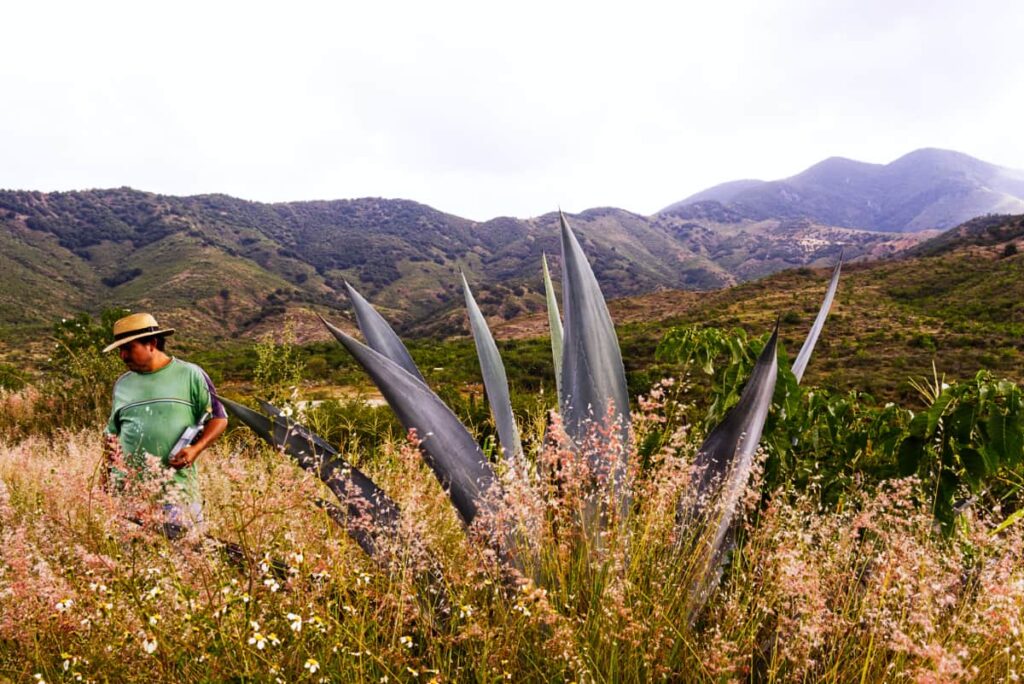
point(368, 511)
point(495, 382)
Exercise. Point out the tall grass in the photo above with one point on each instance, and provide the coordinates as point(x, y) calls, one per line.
point(868, 592)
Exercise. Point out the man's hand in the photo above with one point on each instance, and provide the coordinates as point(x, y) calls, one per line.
point(186, 457)
point(214, 428)
point(111, 454)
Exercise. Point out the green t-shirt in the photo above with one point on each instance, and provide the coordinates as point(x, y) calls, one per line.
point(151, 410)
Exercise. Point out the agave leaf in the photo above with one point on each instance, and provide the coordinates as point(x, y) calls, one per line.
point(800, 365)
point(495, 380)
point(304, 432)
point(555, 325)
point(449, 450)
point(379, 335)
point(593, 377)
point(724, 462)
point(725, 458)
point(369, 510)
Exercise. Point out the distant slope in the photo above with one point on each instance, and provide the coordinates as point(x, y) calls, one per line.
point(928, 188)
point(231, 266)
point(226, 267)
point(1001, 232)
point(961, 306)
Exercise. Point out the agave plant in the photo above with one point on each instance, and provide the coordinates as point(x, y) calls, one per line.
point(368, 511)
point(592, 401)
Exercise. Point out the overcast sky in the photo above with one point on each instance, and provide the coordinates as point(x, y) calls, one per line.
point(485, 109)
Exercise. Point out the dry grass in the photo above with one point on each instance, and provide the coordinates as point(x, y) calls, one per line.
point(866, 593)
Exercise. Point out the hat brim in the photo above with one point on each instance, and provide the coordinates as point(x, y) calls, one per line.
point(126, 340)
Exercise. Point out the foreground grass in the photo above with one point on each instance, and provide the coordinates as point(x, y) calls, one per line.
point(865, 593)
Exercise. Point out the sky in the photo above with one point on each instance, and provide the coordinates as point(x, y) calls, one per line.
point(495, 109)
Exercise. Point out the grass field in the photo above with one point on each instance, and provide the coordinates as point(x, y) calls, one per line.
point(841, 570)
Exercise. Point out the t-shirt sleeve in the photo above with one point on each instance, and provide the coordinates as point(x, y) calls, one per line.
point(200, 395)
point(216, 406)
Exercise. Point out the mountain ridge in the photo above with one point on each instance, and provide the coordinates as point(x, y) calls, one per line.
point(925, 188)
point(238, 268)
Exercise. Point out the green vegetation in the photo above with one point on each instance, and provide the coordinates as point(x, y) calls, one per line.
point(836, 569)
point(236, 269)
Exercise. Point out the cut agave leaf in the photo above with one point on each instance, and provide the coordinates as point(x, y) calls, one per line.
point(724, 461)
point(554, 325)
point(593, 377)
point(800, 365)
point(495, 380)
point(369, 511)
point(379, 334)
point(449, 450)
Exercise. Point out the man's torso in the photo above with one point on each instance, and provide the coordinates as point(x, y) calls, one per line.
point(151, 410)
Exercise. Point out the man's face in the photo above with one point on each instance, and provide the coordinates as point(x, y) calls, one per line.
point(138, 355)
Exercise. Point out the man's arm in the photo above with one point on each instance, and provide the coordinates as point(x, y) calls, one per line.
point(207, 403)
point(213, 429)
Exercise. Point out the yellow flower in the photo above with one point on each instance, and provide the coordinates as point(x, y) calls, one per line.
point(312, 665)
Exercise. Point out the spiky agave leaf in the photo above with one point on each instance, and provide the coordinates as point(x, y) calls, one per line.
point(593, 377)
point(725, 458)
point(379, 334)
point(495, 380)
point(800, 365)
point(450, 451)
point(365, 502)
point(280, 419)
point(554, 325)
point(724, 462)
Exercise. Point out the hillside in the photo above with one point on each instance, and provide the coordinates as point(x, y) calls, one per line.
point(927, 188)
point(962, 307)
point(232, 268)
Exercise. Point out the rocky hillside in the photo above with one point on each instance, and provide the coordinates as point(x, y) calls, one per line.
point(232, 268)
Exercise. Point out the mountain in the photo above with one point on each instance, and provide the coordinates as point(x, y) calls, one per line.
point(224, 267)
point(928, 188)
point(235, 268)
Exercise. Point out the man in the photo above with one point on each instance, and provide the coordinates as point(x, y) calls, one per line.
point(154, 402)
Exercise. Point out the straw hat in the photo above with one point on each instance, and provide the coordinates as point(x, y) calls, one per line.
point(133, 327)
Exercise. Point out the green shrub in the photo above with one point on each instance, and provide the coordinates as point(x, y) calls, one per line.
point(279, 368)
point(78, 376)
point(11, 378)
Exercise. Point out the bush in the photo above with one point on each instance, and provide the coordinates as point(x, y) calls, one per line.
point(79, 376)
point(279, 368)
point(11, 378)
